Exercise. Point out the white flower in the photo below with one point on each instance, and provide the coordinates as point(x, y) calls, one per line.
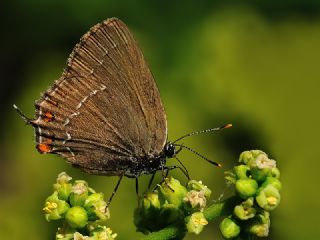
point(79, 188)
point(63, 177)
point(262, 161)
point(196, 199)
point(105, 234)
point(79, 236)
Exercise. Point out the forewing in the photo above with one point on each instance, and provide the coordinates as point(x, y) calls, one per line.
point(105, 107)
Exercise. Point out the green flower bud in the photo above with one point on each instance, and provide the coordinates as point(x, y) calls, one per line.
point(77, 217)
point(169, 214)
point(249, 202)
point(147, 214)
point(268, 197)
point(245, 211)
point(242, 171)
point(275, 172)
point(264, 217)
point(247, 157)
point(272, 181)
point(141, 222)
point(230, 177)
point(229, 228)
point(55, 208)
point(103, 233)
point(246, 187)
point(194, 201)
point(63, 186)
point(199, 186)
point(196, 222)
point(150, 216)
point(172, 191)
point(150, 204)
point(260, 174)
point(63, 189)
point(96, 207)
point(260, 225)
point(79, 193)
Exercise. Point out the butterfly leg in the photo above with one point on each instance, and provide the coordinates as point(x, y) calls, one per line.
point(151, 180)
point(137, 187)
point(165, 172)
point(115, 190)
point(137, 190)
point(169, 168)
point(184, 170)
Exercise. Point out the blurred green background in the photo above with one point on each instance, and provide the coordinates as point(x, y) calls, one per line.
point(254, 64)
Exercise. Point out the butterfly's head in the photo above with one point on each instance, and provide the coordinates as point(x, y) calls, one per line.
point(170, 150)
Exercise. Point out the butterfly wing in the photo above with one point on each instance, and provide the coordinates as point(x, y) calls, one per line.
point(105, 110)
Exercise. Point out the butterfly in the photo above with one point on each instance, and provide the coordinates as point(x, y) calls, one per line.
point(104, 115)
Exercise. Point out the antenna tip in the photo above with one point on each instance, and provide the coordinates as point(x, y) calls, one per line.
point(15, 106)
point(229, 125)
point(219, 165)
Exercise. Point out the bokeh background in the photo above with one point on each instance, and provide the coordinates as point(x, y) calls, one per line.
point(254, 64)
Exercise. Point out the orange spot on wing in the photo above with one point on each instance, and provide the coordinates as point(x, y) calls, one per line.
point(48, 116)
point(44, 148)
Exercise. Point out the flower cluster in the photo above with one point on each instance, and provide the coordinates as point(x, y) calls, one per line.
point(173, 205)
point(257, 184)
point(82, 209)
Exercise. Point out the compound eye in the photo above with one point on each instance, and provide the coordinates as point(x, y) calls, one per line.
point(170, 150)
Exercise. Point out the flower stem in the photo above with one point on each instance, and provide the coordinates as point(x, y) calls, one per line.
point(167, 233)
point(220, 208)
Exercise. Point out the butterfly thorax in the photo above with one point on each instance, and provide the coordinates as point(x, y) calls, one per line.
point(146, 165)
point(151, 164)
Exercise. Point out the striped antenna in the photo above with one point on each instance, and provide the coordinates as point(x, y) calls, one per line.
point(198, 154)
point(229, 125)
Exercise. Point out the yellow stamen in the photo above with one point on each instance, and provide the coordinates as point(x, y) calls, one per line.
point(50, 206)
point(272, 200)
point(201, 221)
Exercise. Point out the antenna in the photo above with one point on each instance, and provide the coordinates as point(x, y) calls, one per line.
point(24, 117)
point(229, 125)
point(198, 154)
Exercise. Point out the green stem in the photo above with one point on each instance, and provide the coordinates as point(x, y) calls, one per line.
point(164, 234)
point(210, 213)
point(220, 208)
